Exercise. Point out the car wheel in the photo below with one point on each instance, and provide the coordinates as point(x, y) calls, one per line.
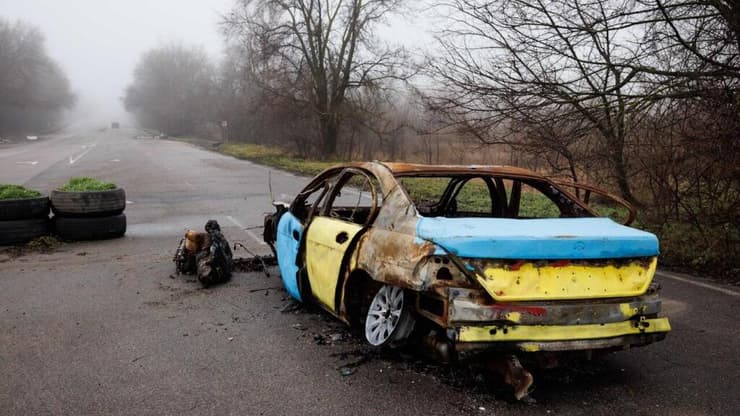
point(389, 321)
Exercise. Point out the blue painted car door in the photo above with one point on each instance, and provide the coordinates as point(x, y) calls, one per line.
point(289, 235)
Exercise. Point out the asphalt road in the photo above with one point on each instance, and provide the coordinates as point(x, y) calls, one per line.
point(104, 327)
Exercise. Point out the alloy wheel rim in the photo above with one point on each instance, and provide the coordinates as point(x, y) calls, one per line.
point(384, 315)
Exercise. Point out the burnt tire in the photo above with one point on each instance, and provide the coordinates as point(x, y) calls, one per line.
point(95, 228)
point(24, 209)
point(88, 204)
point(22, 231)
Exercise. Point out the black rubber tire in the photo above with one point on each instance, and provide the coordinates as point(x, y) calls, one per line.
point(24, 209)
point(95, 228)
point(22, 231)
point(88, 204)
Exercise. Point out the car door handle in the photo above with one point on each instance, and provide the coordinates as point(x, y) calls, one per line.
point(342, 237)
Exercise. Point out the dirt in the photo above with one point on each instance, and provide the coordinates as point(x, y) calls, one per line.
point(43, 245)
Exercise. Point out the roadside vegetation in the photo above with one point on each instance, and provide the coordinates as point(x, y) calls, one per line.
point(34, 91)
point(85, 184)
point(8, 191)
point(275, 157)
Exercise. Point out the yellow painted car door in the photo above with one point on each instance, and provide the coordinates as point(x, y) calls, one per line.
point(327, 240)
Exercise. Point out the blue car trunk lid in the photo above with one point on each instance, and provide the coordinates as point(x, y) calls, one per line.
point(537, 239)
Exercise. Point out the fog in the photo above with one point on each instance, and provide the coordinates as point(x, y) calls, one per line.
point(98, 42)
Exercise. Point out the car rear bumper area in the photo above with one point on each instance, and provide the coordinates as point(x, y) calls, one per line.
point(475, 324)
point(533, 338)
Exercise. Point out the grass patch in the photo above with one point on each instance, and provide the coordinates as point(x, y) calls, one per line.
point(8, 191)
point(85, 184)
point(474, 197)
point(274, 157)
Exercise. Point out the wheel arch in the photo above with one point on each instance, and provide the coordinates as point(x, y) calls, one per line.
point(356, 289)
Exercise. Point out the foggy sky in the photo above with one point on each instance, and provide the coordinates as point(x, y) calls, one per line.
point(99, 42)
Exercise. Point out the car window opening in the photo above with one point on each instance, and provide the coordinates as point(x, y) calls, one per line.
point(352, 200)
point(485, 196)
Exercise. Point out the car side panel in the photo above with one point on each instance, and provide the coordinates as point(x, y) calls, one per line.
point(324, 254)
point(287, 246)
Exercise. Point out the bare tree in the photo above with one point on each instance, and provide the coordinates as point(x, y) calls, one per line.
point(173, 90)
point(259, 102)
point(33, 89)
point(694, 44)
point(644, 89)
point(524, 62)
point(316, 51)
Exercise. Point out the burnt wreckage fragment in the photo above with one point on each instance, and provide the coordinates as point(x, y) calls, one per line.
point(207, 255)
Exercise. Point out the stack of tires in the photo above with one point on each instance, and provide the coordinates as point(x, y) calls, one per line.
point(90, 215)
point(22, 220)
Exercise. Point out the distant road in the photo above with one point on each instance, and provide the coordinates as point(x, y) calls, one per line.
point(103, 328)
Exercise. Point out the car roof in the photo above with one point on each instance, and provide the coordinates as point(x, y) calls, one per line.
point(387, 172)
point(406, 169)
point(420, 169)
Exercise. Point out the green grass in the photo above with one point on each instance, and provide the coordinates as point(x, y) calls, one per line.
point(8, 191)
point(274, 157)
point(474, 197)
point(85, 184)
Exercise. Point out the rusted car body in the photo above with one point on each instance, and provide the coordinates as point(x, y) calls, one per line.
point(481, 276)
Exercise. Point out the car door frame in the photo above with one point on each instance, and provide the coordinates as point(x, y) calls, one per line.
point(291, 273)
point(344, 178)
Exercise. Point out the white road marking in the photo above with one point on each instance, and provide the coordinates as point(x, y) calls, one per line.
point(255, 237)
point(695, 283)
point(237, 223)
point(130, 202)
point(27, 163)
point(73, 160)
point(189, 185)
point(115, 160)
point(249, 233)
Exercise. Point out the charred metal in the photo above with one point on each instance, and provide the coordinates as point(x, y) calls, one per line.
point(473, 277)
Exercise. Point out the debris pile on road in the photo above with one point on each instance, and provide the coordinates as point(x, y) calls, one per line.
point(256, 263)
point(207, 255)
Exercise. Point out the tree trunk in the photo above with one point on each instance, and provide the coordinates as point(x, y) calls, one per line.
point(329, 133)
point(622, 182)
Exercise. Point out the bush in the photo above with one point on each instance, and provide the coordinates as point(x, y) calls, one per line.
point(8, 191)
point(708, 250)
point(85, 184)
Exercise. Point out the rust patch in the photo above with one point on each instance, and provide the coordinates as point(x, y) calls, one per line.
point(559, 263)
point(393, 258)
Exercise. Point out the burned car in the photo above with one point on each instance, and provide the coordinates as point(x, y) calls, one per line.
point(482, 258)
